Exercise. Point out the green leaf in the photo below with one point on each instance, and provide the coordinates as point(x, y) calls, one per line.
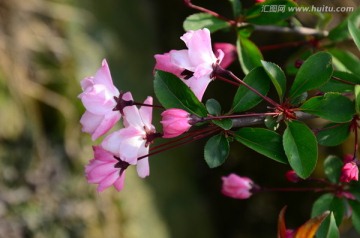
point(249, 54)
point(345, 61)
point(345, 84)
point(265, 14)
point(204, 20)
point(328, 228)
point(329, 202)
point(225, 124)
point(353, 24)
point(237, 7)
point(216, 150)
point(246, 99)
point(300, 148)
point(213, 107)
point(271, 123)
point(313, 73)
point(332, 168)
point(355, 218)
point(341, 32)
point(333, 134)
point(331, 106)
point(277, 77)
point(263, 141)
point(173, 93)
point(357, 98)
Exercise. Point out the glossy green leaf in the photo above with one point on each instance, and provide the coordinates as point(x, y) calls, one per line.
point(300, 148)
point(263, 141)
point(237, 7)
point(277, 77)
point(341, 82)
point(173, 93)
point(329, 202)
point(270, 12)
point(332, 168)
point(249, 54)
point(271, 123)
point(355, 218)
point(204, 20)
point(333, 134)
point(246, 99)
point(313, 73)
point(353, 24)
point(213, 107)
point(216, 150)
point(328, 228)
point(331, 106)
point(225, 124)
point(345, 61)
point(341, 32)
point(357, 98)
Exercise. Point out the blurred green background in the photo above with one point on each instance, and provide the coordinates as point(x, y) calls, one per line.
point(46, 48)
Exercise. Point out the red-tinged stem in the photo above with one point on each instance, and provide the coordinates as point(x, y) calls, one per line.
point(228, 81)
point(182, 143)
point(220, 72)
point(343, 81)
point(215, 14)
point(283, 45)
point(187, 136)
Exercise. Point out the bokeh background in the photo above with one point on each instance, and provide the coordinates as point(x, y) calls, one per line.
point(46, 48)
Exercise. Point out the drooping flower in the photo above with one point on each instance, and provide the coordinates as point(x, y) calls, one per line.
point(105, 169)
point(349, 171)
point(237, 187)
point(175, 122)
point(194, 65)
point(132, 141)
point(98, 99)
point(230, 53)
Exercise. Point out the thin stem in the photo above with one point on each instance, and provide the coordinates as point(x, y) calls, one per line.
point(215, 14)
point(343, 81)
point(219, 72)
point(228, 81)
point(182, 143)
point(282, 45)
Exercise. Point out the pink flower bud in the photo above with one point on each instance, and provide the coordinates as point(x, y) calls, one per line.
point(291, 176)
point(230, 53)
point(237, 187)
point(175, 122)
point(349, 172)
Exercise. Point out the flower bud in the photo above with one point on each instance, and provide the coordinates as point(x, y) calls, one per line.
point(291, 176)
point(175, 122)
point(349, 172)
point(237, 187)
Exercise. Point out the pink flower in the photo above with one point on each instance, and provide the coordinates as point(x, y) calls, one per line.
point(349, 172)
point(230, 53)
point(194, 65)
point(175, 122)
point(133, 141)
point(237, 187)
point(291, 176)
point(106, 170)
point(98, 98)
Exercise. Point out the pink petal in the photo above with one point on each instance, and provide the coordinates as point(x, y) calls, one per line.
point(111, 142)
point(87, 82)
point(90, 122)
point(229, 51)
point(198, 85)
point(103, 155)
point(146, 112)
point(106, 124)
point(100, 172)
point(181, 59)
point(129, 148)
point(119, 183)
point(98, 99)
point(103, 76)
point(142, 167)
point(199, 45)
point(164, 63)
point(108, 181)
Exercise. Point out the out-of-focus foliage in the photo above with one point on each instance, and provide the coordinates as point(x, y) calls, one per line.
point(45, 49)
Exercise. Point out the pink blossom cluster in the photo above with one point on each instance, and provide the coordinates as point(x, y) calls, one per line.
point(105, 106)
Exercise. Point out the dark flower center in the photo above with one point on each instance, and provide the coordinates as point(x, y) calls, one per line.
point(122, 165)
